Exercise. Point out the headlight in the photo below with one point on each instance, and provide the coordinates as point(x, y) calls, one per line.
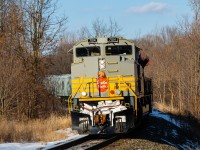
point(102, 64)
point(84, 93)
point(117, 92)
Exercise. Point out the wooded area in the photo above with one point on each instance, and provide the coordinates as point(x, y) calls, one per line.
point(31, 48)
point(175, 64)
point(27, 31)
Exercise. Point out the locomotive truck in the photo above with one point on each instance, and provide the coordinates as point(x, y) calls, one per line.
point(110, 93)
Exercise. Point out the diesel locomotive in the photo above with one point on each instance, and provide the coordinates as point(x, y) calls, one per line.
point(110, 93)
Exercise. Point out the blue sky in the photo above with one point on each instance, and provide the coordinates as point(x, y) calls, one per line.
point(135, 17)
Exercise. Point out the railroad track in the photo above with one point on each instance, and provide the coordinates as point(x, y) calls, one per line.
point(89, 142)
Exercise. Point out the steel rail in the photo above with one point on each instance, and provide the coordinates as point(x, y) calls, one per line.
point(107, 139)
point(104, 143)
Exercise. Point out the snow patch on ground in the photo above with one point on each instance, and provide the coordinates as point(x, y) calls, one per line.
point(180, 124)
point(168, 142)
point(174, 133)
point(166, 117)
point(40, 145)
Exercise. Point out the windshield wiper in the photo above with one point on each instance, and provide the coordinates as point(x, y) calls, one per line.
point(96, 47)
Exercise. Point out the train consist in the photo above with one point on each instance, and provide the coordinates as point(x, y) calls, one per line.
point(109, 91)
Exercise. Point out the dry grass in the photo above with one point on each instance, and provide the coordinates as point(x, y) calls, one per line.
point(165, 108)
point(34, 130)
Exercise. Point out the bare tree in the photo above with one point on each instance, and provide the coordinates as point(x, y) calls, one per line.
point(100, 28)
point(42, 30)
point(195, 5)
point(113, 27)
point(61, 59)
point(41, 26)
point(84, 33)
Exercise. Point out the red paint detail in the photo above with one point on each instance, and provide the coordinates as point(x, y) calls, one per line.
point(112, 92)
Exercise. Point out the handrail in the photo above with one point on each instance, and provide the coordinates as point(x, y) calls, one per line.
point(82, 83)
point(131, 90)
point(70, 98)
point(69, 103)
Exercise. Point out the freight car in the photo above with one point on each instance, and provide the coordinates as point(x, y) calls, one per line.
point(109, 91)
point(59, 85)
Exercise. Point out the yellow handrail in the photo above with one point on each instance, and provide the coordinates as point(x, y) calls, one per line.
point(70, 98)
point(131, 90)
point(82, 85)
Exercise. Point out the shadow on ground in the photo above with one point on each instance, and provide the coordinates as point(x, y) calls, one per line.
point(166, 130)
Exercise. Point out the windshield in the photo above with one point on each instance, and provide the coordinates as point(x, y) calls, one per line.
point(87, 51)
point(119, 49)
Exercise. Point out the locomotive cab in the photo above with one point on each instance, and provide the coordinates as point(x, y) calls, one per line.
point(109, 91)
